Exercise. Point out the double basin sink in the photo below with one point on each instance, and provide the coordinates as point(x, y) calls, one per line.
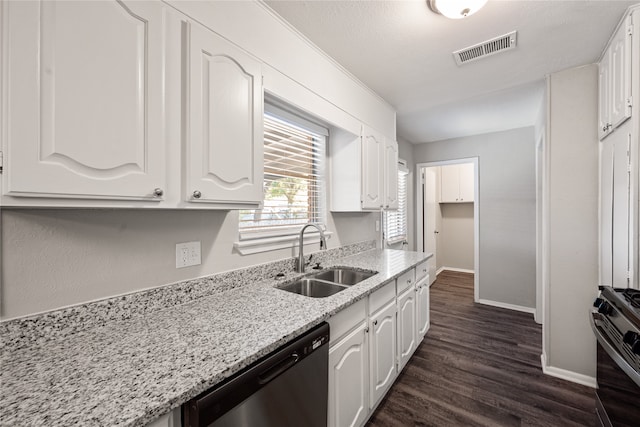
point(327, 282)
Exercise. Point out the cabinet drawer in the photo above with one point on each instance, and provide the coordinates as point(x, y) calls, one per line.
point(421, 270)
point(347, 319)
point(406, 280)
point(382, 296)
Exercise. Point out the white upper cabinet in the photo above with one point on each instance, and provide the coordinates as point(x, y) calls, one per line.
point(391, 174)
point(224, 146)
point(615, 99)
point(84, 100)
point(457, 183)
point(373, 165)
point(364, 171)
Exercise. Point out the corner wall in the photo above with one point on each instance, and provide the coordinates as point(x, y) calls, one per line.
point(507, 205)
point(572, 252)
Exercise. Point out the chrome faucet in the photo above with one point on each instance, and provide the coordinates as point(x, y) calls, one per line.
point(323, 245)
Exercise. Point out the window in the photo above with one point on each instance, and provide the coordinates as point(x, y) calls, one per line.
point(395, 226)
point(294, 177)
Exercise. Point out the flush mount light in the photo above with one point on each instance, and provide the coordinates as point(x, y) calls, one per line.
point(456, 9)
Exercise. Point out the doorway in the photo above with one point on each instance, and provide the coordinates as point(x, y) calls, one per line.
point(447, 213)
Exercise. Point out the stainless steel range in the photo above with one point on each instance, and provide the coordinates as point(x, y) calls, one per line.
point(615, 320)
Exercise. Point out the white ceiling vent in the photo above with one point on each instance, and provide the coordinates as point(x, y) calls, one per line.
point(487, 48)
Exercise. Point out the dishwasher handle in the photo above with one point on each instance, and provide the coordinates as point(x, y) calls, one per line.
point(271, 373)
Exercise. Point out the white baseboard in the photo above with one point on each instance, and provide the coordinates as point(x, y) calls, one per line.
point(459, 270)
point(508, 306)
point(563, 374)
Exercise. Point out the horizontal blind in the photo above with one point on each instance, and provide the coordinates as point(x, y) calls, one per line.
point(294, 183)
point(396, 221)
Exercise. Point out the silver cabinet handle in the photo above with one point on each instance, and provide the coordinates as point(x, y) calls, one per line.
point(197, 194)
point(158, 192)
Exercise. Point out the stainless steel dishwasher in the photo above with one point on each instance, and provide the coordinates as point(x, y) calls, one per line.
point(286, 388)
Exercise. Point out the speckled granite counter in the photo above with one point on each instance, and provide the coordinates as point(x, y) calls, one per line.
point(128, 368)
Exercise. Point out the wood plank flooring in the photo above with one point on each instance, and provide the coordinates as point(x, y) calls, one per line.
point(480, 366)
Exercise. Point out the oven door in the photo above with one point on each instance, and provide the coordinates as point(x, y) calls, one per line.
point(618, 393)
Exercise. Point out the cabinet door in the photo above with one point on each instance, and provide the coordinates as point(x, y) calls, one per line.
point(406, 326)
point(85, 99)
point(348, 384)
point(606, 211)
point(391, 174)
point(466, 179)
point(449, 184)
point(604, 95)
point(372, 169)
point(620, 78)
point(621, 205)
point(225, 122)
point(382, 355)
point(422, 309)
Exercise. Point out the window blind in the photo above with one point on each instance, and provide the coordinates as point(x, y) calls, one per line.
point(294, 179)
point(396, 221)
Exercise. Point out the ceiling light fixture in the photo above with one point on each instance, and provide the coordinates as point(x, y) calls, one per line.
point(456, 9)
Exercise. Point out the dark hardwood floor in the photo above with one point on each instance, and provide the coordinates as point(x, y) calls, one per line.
point(480, 366)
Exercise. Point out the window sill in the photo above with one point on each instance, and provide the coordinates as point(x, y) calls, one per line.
point(266, 244)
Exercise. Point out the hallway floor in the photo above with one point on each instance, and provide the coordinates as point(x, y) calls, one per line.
point(480, 366)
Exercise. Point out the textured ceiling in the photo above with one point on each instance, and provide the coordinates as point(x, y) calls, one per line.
point(403, 51)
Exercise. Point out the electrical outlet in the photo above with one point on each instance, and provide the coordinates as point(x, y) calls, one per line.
point(188, 254)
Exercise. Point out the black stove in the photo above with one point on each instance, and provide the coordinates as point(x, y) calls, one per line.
point(615, 320)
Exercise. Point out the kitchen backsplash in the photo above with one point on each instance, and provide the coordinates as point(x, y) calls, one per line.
point(21, 332)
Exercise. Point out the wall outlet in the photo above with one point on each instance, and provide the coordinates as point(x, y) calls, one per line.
point(188, 254)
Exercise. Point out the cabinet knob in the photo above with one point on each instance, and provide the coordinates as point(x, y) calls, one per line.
point(158, 192)
point(408, 280)
point(197, 194)
point(375, 322)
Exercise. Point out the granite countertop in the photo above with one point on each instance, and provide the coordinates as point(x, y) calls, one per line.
point(127, 372)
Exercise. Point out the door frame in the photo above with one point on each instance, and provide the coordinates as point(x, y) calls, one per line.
point(419, 207)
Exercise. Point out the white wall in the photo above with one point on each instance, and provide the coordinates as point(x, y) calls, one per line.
point(506, 209)
point(572, 219)
point(455, 249)
point(55, 258)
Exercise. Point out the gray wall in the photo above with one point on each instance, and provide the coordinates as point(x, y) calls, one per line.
point(572, 253)
point(506, 209)
point(56, 258)
point(455, 243)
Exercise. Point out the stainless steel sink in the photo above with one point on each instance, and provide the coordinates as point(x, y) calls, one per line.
point(313, 288)
point(343, 276)
point(327, 282)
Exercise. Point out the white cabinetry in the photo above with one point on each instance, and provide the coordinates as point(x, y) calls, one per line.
point(349, 367)
point(382, 343)
point(406, 326)
point(80, 127)
point(457, 183)
point(224, 146)
point(348, 379)
point(364, 172)
point(422, 308)
point(615, 98)
point(94, 117)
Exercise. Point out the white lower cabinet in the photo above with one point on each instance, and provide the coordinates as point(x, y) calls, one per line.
point(371, 341)
point(348, 379)
point(382, 352)
point(422, 308)
point(406, 326)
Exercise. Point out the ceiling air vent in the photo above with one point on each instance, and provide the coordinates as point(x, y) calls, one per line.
point(490, 47)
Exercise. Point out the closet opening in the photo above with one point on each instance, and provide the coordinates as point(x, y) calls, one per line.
point(447, 216)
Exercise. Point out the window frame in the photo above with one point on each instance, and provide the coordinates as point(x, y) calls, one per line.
point(266, 238)
point(403, 199)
